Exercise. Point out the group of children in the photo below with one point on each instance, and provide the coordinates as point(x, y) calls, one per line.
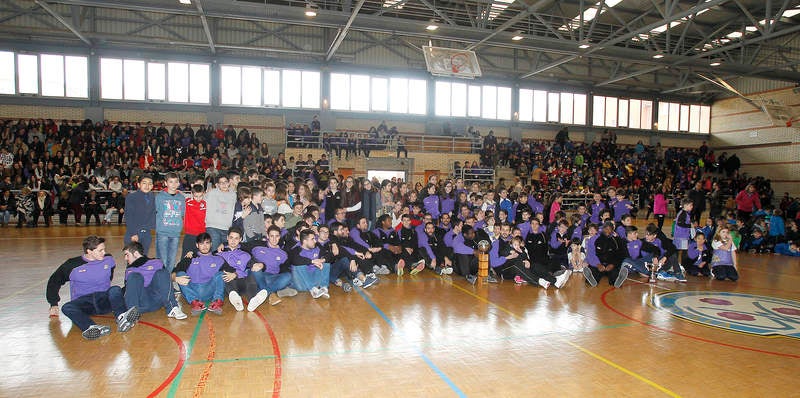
point(276, 244)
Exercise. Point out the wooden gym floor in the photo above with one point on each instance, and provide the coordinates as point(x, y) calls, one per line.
point(421, 336)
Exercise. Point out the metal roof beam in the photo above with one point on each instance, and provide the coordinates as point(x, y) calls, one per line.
point(63, 21)
point(206, 28)
point(343, 32)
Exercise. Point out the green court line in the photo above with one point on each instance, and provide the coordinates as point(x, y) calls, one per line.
point(175, 383)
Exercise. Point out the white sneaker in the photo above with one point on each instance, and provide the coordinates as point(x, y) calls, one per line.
point(543, 283)
point(562, 279)
point(236, 300)
point(257, 300)
point(177, 313)
point(324, 291)
point(315, 292)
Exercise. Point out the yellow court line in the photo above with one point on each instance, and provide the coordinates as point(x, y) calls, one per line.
point(584, 350)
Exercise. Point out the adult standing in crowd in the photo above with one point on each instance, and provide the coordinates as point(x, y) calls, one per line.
point(698, 198)
point(747, 201)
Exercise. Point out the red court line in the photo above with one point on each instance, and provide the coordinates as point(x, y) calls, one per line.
point(181, 359)
point(607, 305)
point(178, 366)
point(212, 352)
point(276, 350)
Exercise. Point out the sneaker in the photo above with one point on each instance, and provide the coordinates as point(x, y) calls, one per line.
point(665, 276)
point(198, 307)
point(369, 281)
point(491, 279)
point(128, 319)
point(417, 267)
point(347, 287)
point(324, 291)
point(448, 270)
point(623, 274)
point(236, 300)
point(680, 277)
point(376, 269)
point(519, 281)
point(589, 276)
point(274, 299)
point(256, 300)
point(384, 270)
point(216, 307)
point(438, 270)
point(287, 292)
point(177, 313)
point(315, 292)
point(543, 283)
point(400, 267)
point(562, 279)
point(472, 279)
point(357, 282)
point(95, 332)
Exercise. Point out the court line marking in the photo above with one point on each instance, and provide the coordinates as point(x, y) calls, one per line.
point(25, 290)
point(421, 354)
point(620, 313)
point(276, 350)
point(177, 380)
point(181, 359)
point(212, 353)
point(582, 349)
point(454, 343)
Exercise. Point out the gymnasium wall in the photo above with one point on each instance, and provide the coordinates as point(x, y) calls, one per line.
point(764, 149)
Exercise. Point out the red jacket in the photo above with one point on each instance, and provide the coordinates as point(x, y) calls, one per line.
point(194, 220)
point(746, 201)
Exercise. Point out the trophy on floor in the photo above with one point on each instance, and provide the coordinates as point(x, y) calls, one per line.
point(653, 267)
point(483, 259)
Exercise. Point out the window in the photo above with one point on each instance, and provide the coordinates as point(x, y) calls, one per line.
point(178, 82)
point(52, 69)
point(340, 92)
point(543, 106)
point(272, 87)
point(398, 95)
point(684, 117)
point(619, 112)
point(291, 86)
point(359, 93)
point(417, 97)
point(111, 78)
point(230, 78)
point(489, 97)
point(133, 79)
point(28, 74)
point(49, 75)
point(380, 94)
point(156, 81)
point(77, 68)
point(310, 90)
point(199, 83)
point(240, 85)
point(460, 99)
point(251, 86)
point(7, 75)
point(539, 106)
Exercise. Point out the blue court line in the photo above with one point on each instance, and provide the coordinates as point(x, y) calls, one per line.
point(417, 349)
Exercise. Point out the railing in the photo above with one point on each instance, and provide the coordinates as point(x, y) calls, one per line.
point(470, 175)
point(332, 142)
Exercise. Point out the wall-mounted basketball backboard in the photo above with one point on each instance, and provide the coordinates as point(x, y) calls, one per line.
point(451, 62)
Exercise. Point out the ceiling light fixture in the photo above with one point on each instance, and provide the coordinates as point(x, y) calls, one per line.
point(185, 1)
point(584, 45)
point(311, 12)
point(517, 36)
point(658, 56)
point(715, 62)
point(432, 25)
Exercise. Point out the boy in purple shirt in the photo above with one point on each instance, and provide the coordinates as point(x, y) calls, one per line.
point(199, 278)
point(147, 283)
point(89, 278)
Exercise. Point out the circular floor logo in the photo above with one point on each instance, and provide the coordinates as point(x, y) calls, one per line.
point(747, 313)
